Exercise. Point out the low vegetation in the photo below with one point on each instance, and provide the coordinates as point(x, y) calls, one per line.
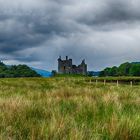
point(68, 108)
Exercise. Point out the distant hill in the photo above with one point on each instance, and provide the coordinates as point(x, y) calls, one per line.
point(16, 71)
point(43, 73)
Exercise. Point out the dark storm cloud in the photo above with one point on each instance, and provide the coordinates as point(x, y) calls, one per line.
point(105, 32)
point(112, 12)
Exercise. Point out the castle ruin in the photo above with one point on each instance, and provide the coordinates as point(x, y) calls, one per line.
point(66, 67)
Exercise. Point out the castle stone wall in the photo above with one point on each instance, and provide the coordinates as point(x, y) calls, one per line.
point(66, 67)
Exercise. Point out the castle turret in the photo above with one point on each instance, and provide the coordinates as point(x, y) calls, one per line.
point(59, 58)
point(84, 67)
point(59, 64)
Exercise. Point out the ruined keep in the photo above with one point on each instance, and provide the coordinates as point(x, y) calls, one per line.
point(66, 67)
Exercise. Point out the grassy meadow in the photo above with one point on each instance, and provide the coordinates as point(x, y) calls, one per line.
point(68, 109)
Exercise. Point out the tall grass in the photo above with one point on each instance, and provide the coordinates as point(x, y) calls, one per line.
point(65, 108)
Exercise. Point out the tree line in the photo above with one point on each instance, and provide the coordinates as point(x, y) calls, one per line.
point(125, 69)
point(16, 71)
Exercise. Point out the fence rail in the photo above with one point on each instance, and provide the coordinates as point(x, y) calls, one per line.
point(118, 80)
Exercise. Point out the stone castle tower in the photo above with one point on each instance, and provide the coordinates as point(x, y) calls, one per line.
point(66, 67)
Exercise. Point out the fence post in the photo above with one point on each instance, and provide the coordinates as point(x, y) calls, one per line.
point(131, 83)
point(96, 82)
point(117, 83)
point(90, 80)
point(104, 82)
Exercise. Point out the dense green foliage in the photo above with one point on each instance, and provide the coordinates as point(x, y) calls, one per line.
point(125, 69)
point(16, 71)
point(68, 109)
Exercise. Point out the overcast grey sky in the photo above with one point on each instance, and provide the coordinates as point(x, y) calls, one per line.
point(36, 32)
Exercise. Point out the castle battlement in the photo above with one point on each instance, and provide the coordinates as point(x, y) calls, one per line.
point(66, 67)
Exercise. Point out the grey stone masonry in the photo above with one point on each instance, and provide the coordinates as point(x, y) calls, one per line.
point(66, 67)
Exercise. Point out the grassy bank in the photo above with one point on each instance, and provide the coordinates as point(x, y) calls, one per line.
point(61, 108)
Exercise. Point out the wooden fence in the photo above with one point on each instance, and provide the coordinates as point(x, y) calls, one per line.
point(127, 81)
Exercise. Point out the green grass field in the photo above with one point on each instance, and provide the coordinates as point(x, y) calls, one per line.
point(68, 109)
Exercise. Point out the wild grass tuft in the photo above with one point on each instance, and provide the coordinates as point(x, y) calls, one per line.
point(68, 108)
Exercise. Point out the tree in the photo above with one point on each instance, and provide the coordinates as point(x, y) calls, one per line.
point(107, 72)
point(135, 70)
point(124, 69)
point(114, 71)
point(16, 71)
